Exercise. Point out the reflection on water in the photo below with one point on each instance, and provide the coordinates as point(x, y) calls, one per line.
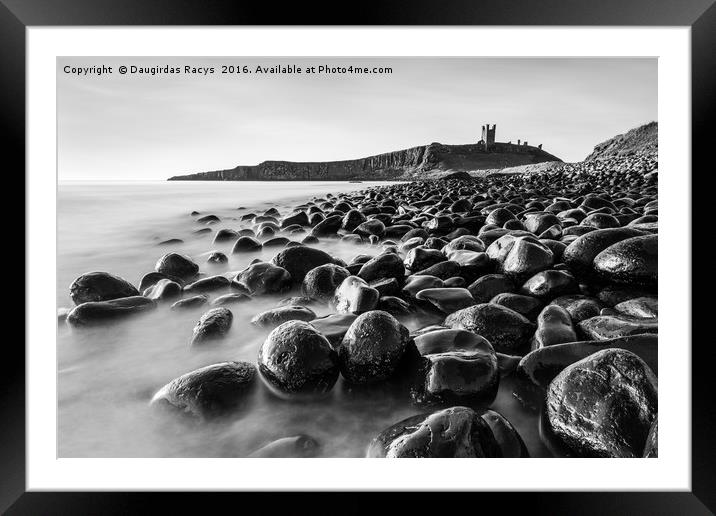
point(107, 375)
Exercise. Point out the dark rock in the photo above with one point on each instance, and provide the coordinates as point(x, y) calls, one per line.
point(265, 278)
point(230, 299)
point(277, 316)
point(603, 405)
point(225, 234)
point(394, 306)
point(542, 365)
point(296, 359)
point(505, 329)
point(547, 285)
point(528, 306)
point(208, 219)
point(633, 261)
point(579, 255)
point(100, 286)
point(554, 326)
point(99, 312)
point(447, 300)
point(355, 296)
point(190, 302)
point(209, 284)
point(442, 270)
point(151, 278)
point(605, 327)
point(420, 258)
point(321, 283)
point(651, 449)
point(579, 307)
point(370, 227)
point(507, 437)
point(334, 327)
point(383, 266)
point(298, 261)
point(173, 264)
point(246, 244)
point(489, 286)
point(163, 290)
point(373, 348)
point(451, 432)
point(217, 257)
point(213, 325)
point(418, 282)
point(211, 391)
point(299, 446)
point(445, 340)
point(645, 306)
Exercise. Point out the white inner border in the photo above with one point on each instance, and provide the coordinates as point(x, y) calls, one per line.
point(671, 471)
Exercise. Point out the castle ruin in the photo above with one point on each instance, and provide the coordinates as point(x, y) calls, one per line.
point(488, 138)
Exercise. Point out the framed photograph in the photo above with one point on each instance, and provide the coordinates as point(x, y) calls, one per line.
point(285, 245)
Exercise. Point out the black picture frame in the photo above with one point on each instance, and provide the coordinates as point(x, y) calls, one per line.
point(700, 15)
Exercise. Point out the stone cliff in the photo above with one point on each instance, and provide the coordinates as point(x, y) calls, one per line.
point(402, 164)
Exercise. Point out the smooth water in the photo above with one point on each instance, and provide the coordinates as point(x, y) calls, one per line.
point(107, 375)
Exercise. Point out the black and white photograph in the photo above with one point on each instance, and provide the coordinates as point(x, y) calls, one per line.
point(349, 257)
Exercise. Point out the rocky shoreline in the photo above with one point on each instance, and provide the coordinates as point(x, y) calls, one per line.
point(544, 284)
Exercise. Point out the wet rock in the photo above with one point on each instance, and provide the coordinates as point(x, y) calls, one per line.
point(213, 325)
point(297, 217)
point(171, 241)
point(224, 235)
point(445, 340)
point(151, 278)
point(209, 284)
point(505, 329)
point(373, 348)
point(298, 261)
point(99, 312)
point(352, 219)
point(100, 286)
point(526, 257)
point(528, 306)
point(579, 255)
point(328, 226)
point(451, 432)
point(455, 377)
point(208, 219)
point(209, 392)
point(547, 285)
point(489, 286)
point(217, 257)
point(277, 316)
point(386, 286)
point(383, 266)
point(246, 244)
point(163, 290)
point(420, 258)
point(190, 302)
point(542, 365)
point(299, 446)
point(614, 294)
point(370, 227)
point(633, 261)
point(230, 299)
point(646, 307)
point(605, 327)
point(537, 223)
point(355, 296)
point(265, 278)
point(296, 359)
point(507, 437)
point(579, 307)
point(321, 283)
point(418, 282)
point(554, 326)
point(447, 300)
point(651, 449)
point(173, 264)
point(334, 327)
point(603, 405)
point(395, 306)
point(277, 242)
point(455, 282)
point(464, 243)
point(443, 270)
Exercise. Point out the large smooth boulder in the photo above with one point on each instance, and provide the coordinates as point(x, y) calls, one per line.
point(634, 261)
point(213, 325)
point(449, 433)
point(211, 391)
point(373, 348)
point(383, 266)
point(321, 283)
point(174, 264)
point(355, 296)
point(603, 405)
point(579, 255)
point(264, 278)
point(276, 316)
point(299, 260)
point(507, 331)
point(100, 312)
point(296, 359)
point(100, 286)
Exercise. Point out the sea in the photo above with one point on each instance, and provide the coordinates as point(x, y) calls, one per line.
point(107, 375)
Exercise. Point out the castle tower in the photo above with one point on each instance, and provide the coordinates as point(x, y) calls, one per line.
point(488, 134)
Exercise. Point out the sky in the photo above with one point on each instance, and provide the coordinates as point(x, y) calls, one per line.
point(149, 127)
